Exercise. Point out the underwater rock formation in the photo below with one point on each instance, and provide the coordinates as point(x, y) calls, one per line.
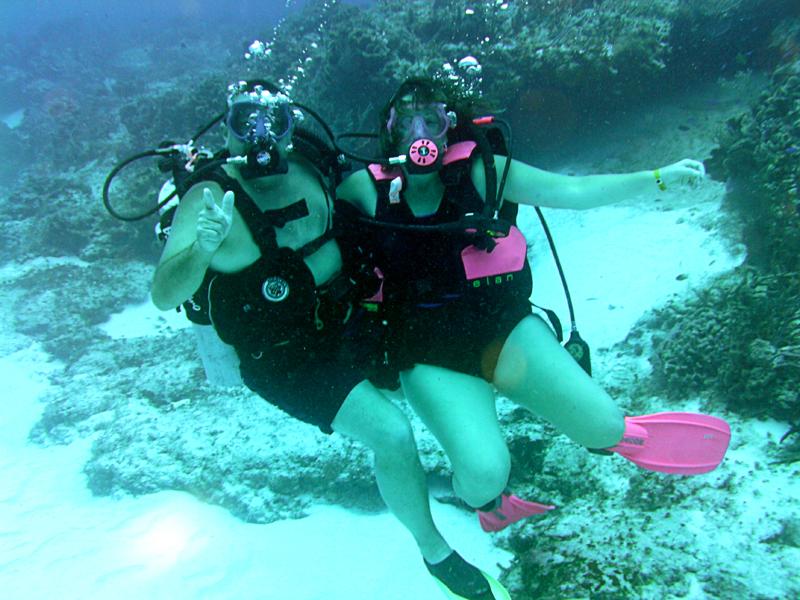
point(537, 56)
point(741, 336)
point(738, 339)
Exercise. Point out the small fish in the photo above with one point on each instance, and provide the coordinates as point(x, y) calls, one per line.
point(791, 149)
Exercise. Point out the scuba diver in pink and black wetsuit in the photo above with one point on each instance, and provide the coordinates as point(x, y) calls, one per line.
point(455, 300)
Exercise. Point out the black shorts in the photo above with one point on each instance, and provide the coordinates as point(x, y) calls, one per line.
point(312, 390)
point(461, 335)
point(311, 380)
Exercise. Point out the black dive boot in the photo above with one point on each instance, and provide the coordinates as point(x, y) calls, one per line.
point(462, 579)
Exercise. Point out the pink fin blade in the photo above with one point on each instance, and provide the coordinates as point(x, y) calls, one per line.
point(675, 442)
point(511, 510)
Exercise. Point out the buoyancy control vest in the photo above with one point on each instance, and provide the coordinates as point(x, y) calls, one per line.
point(454, 253)
point(273, 302)
point(477, 219)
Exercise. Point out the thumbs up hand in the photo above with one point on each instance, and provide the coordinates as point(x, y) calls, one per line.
point(214, 222)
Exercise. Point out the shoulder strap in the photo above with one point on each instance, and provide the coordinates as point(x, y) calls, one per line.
point(259, 224)
point(455, 175)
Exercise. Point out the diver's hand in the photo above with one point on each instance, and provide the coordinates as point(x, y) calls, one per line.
point(686, 171)
point(214, 222)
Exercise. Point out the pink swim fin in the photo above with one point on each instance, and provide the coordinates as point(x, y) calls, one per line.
point(675, 442)
point(511, 510)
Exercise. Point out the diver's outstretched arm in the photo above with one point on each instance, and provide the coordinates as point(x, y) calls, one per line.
point(526, 184)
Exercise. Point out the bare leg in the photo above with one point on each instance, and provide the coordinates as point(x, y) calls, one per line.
point(370, 418)
point(535, 371)
point(460, 412)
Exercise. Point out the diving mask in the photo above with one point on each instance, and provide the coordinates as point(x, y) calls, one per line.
point(250, 121)
point(420, 130)
point(263, 121)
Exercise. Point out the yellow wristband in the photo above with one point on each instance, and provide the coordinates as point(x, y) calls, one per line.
point(659, 182)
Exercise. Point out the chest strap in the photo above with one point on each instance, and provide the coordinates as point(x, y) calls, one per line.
point(262, 224)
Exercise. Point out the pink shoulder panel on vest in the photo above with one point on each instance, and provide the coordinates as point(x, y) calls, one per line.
point(459, 151)
point(379, 174)
point(456, 152)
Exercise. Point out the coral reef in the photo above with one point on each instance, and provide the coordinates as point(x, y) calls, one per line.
point(736, 339)
point(563, 63)
point(231, 456)
point(60, 305)
point(740, 338)
point(758, 156)
point(625, 533)
point(173, 112)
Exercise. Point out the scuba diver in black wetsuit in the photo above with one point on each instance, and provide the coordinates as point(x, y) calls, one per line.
point(455, 292)
point(253, 237)
point(252, 243)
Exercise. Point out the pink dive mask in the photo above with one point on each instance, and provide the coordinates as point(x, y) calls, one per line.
point(420, 131)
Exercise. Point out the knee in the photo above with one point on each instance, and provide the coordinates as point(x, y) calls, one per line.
point(395, 438)
point(606, 429)
point(484, 477)
point(526, 347)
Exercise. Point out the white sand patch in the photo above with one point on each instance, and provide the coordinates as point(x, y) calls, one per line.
point(12, 270)
point(169, 545)
point(58, 541)
point(772, 488)
point(13, 119)
point(621, 261)
point(143, 320)
point(24, 376)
